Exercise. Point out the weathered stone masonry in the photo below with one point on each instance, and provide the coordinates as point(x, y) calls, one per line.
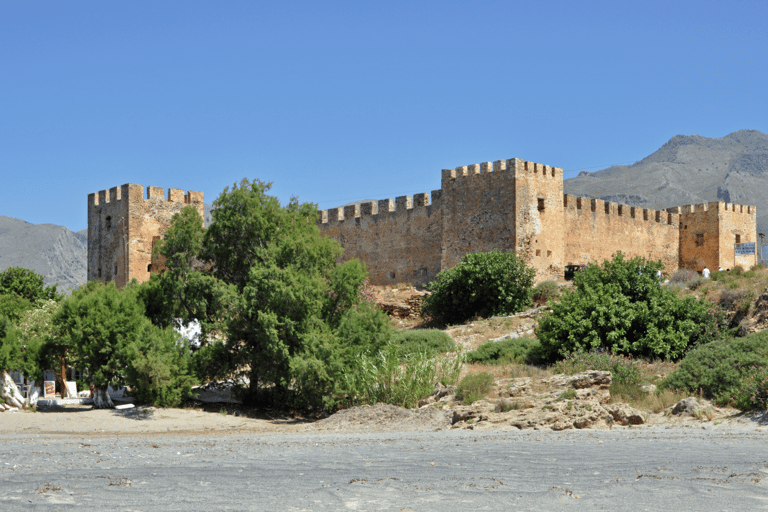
point(123, 226)
point(509, 205)
point(518, 205)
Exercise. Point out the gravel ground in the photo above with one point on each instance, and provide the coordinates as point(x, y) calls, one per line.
point(149, 459)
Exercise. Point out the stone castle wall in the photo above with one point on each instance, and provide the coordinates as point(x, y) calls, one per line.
point(595, 230)
point(123, 225)
point(518, 205)
point(509, 205)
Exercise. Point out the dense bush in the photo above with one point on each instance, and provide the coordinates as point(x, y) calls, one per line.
point(422, 341)
point(752, 389)
point(158, 367)
point(544, 291)
point(474, 387)
point(510, 351)
point(620, 307)
point(483, 284)
point(718, 369)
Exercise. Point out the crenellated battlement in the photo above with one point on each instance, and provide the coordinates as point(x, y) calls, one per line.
point(714, 206)
point(398, 205)
point(136, 192)
point(579, 203)
point(514, 166)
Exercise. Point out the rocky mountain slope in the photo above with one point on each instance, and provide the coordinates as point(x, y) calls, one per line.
point(52, 251)
point(688, 170)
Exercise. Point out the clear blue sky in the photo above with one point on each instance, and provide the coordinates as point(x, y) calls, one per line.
point(340, 101)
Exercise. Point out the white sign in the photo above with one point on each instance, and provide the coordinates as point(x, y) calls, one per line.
point(745, 248)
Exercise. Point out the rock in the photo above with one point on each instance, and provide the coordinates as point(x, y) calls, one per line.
point(444, 391)
point(650, 388)
point(625, 415)
point(425, 402)
point(686, 406)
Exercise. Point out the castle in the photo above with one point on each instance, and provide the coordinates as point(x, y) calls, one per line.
point(509, 205)
point(515, 205)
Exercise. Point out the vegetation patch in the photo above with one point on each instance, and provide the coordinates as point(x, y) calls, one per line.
point(509, 351)
point(483, 284)
point(621, 308)
point(474, 387)
point(729, 371)
point(422, 341)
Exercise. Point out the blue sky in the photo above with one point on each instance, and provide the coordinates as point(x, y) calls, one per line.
point(341, 101)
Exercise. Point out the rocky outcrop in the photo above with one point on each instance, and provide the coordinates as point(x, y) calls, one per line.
point(560, 402)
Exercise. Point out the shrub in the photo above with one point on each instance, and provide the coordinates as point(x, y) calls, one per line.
point(684, 276)
point(718, 369)
point(623, 369)
point(544, 291)
point(428, 341)
point(735, 299)
point(158, 367)
point(483, 284)
point(751, 391)
point(509, 351)
point(737, 270)
point(619, 307)
point(474, 387)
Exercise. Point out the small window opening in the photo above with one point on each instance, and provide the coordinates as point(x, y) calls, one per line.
point(108, 222)
point(149, 268)
point(549, 254)
point(699, 239)
point(392, 275)
point(738, 239)
point(538, 252)
point(115, 269)
point(541, 204)
point(99, 272)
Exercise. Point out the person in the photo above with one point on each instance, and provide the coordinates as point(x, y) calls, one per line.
point(705, 273)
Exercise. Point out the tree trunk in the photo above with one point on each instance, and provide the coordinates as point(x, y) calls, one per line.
point(101, 399)
point(63, 378)
point(9, 391)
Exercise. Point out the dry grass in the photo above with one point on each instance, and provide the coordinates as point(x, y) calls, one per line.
point(754, 281)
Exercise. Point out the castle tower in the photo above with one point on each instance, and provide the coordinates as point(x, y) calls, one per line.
point(708, 232)
point(509, 205)
point(124, 225)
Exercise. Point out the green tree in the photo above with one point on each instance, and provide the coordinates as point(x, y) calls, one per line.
point(484, 284)
point(291, 305)
point(13, 306)
point(26, 284)
point(186, 290)
point(114, 341)
point(621, 307)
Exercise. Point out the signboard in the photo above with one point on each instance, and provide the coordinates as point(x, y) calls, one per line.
point(745, 248)
point(50, 387)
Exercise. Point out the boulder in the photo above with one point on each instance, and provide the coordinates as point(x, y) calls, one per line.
point(686, 406)
point(623, 414)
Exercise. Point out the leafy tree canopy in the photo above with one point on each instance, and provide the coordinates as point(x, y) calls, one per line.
point(113, 340)
point(26, 284)
point(485, 284)
point(290, 315)
point(621, 307)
